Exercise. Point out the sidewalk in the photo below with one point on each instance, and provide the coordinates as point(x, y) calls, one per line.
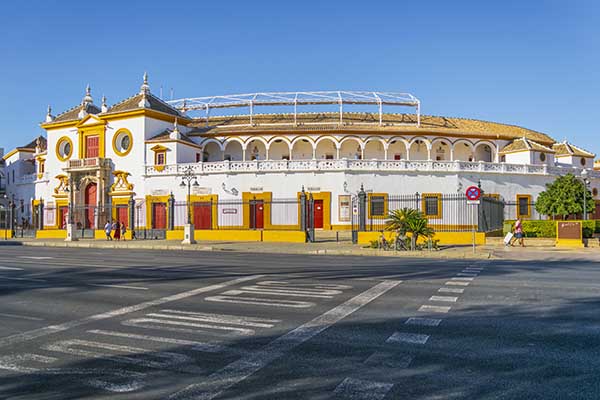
point(321, 248)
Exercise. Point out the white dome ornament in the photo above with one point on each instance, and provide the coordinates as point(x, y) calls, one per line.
point(49, 116)
point(144, 91)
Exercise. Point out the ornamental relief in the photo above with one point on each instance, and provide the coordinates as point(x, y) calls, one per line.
point(121, 185)
point(63, 184)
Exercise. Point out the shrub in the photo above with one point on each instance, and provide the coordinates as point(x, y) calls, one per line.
point(547, 228)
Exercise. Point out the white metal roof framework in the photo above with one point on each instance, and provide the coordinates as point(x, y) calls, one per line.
point(296, 99)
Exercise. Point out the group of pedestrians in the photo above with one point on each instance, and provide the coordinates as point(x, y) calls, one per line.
point(117, 227)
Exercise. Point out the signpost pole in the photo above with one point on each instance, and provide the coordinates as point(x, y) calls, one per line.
point(473, 194)
point(473, 224)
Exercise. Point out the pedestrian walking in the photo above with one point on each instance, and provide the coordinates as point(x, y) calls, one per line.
point(107, 230)
point(123, 230)
point(518, 231)
point(117, 229)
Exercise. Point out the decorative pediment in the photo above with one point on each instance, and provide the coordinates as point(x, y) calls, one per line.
point(91, 120)
point(159, 147)
point(63, 184)
point(121, 187)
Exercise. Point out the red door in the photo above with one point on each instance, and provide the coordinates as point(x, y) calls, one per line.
point(63, 215)
point(92, 144)
point(257, 214)
point(202, 215)
point(123, 215)
point(159, 216)
point(90, 205)
point(318, 213)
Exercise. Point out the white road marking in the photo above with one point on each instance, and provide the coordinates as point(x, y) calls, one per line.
point(436, 309)
point(194, 345)
point(36, 257)
point(462, 279)
point(357, 389)
point(48, 330)
point(305, 285)
point(450, 290)
point(467, 274)
point(389, 360)
point(126, 355)
point(472, 269)
point(448, 299)
point(403, 337)
point(230, 297)
point(14, 278)
point(118, 286)
point(21, 317)
point(283, 291)
point(182, 326)
point(226, 319)
point(423, 321)
point(232, 374)
point(455, 283)
point(11, 268)
point(15, 363)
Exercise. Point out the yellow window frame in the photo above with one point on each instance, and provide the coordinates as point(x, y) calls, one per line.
point(424, 198)
point(385, 205)
point(524, 196)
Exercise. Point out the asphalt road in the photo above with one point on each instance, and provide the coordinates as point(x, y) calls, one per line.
point(96, 324)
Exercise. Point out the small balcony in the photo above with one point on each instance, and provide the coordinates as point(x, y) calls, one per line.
point(87, 164)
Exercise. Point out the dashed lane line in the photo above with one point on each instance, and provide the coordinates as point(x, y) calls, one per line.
point(358, 389)
point(215, 384)
point(404, 337)
point(448, 299)
point(434, 309)
point(450, 290)
point(423, 321)
point(456, 283)
point(463, 279)
point(11, 268)
point(48, 330)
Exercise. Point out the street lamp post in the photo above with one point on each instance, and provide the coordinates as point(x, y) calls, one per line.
point(71, 228)
point(186, 180)
point(586, 183)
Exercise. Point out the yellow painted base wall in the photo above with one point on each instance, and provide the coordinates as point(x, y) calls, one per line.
point(175, 235)
point(231, 235)
point(100, 235)
point(569, 243)
point(445, 238)
point(51, 234)
point(4, 233)
point(284, 236)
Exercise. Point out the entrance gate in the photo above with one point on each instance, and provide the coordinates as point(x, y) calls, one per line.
point(203, 215)
point(257, 214)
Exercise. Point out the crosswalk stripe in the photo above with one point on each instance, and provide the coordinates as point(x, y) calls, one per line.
point(436, 309)
point(226, 298)
point(455, 283)
point(403, 337)
point(227, 319)
point(423, 321)
point(448, 299)
point(450, 290)
point(463, 279)
point(183, 326)
point(194, 345)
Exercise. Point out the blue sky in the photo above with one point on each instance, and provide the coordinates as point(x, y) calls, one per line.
point(530, 63)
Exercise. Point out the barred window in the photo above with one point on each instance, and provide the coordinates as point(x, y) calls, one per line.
point(523, 206)
point(431, 206)
point(377, 206)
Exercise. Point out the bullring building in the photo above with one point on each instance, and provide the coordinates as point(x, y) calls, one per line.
point(250, 158)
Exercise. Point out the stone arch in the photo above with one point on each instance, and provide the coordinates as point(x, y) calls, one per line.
point(397, 148)
point(441, 149)
point(326, 147)
point(484, 151)
point(375, 148)
point(303, 148)
point(279, 148)
point(212, 150)
point(352, 147)
point(233, 149)
point(257, 148)
point(419, 149)
point(462, 150)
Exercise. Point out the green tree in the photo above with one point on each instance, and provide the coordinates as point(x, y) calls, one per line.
point(563, 197)
point(397, 219)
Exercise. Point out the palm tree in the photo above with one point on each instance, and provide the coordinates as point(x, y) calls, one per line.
point(398, 219)
point(418, 227)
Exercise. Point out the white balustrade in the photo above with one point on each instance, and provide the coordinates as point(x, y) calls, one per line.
point(226, 166)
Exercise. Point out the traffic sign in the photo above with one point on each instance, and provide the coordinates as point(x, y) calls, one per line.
point(473, 202)
point(473, 193)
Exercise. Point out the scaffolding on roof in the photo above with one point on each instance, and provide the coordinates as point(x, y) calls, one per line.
point(295, 99)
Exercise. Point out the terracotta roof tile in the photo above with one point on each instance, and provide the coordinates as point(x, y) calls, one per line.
point(524, 144)
point(165, 135)
point(73, 113)
point(132, 103)
point(567, 149)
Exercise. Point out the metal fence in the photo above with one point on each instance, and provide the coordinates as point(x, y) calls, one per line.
point(445, 212)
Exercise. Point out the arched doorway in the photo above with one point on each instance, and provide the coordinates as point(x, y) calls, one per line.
point(90, 204)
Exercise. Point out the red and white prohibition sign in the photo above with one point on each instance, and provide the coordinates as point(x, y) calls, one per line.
point(473, 193)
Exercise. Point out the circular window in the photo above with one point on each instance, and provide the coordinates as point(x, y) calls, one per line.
point(64, 148)
point(122, 142)
point(542, 157)
point(582, 161)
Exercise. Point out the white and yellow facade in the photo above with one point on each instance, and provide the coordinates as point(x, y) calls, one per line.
point(140, 147)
